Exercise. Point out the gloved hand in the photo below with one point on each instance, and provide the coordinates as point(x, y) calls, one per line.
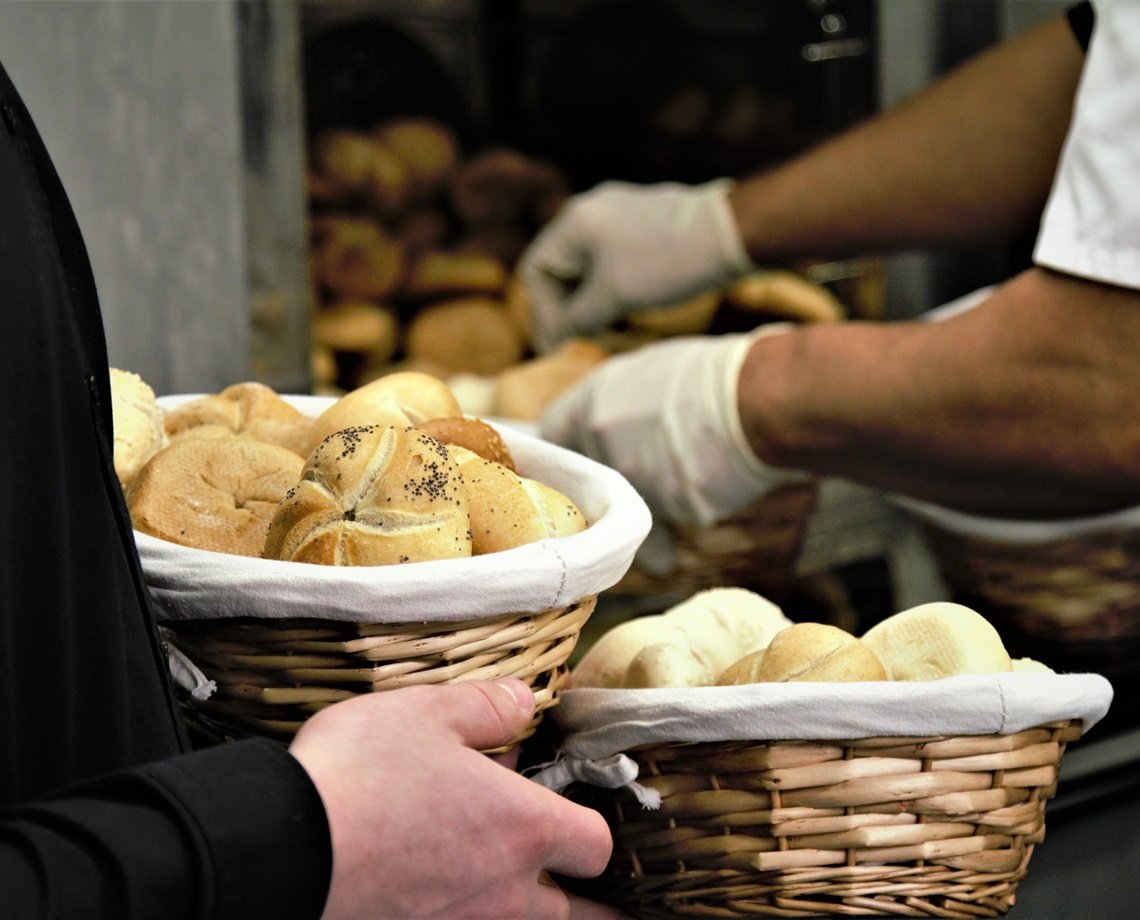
point(622, 247)
point(666, 417)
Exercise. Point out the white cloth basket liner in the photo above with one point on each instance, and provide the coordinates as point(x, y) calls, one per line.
point(550, 574)
point(600, 725)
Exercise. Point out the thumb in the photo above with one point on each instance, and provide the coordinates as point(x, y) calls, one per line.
point(489, 714)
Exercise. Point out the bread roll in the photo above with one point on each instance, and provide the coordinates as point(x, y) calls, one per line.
point(475, 435)
point(215, 494)
point(137, 422)
point(527, 388)
point(934, 640)
point(355, 259)
point(477, 394)
point(1030, 666)
point(692, 316)
point(808, 652)
point(470, 334)
point(508, 510)
point(784, 295)
point(352, 164)
point(401, 399)
point(707, 633)
point(501, 186)
point(427, 148)
point(358, 326)
point(373, 495)
point(249, 409)
point(439, 273)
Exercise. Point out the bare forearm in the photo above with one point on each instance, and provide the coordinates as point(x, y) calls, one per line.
point(971, 156)
point(1023, 407)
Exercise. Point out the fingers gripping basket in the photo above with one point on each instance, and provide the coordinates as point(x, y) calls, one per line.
point(786, 800)
point(261, 644)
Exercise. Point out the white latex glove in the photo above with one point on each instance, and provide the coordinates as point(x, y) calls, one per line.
point(623, 247)
point(666, 417)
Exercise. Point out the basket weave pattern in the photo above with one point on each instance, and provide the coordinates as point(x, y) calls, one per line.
point(921, 827)
point(1073, 602)
point(272, 675)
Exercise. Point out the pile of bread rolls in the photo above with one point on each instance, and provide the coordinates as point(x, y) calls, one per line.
point(391, 472)
point(731, 636)
point(413, 249)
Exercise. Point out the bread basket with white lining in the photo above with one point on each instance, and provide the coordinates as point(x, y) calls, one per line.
point(920, 797)
point(275, 640)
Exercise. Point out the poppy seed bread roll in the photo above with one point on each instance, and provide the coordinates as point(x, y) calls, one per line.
point(508, 510)
point(475, 435)
point(215, 494)
point(400, 399)
point(373, 495)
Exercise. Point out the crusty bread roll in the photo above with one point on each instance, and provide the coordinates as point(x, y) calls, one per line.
point(468, 334)
point(527, 388)
point(401, 398)
point(354, 258)
point(352, 164)
point(428, 149)
point(475, 435)
point(215, 494)
point(250, 409)
point(807, 651)
point(1030, 666)
point(373, 495)
point(508, 510)
point(358, 326)
point(500, 185)
point(691, 316)
point(138, 424)
point(439, 273)
point(934, 640)
point(784, 295)
point(711, 630)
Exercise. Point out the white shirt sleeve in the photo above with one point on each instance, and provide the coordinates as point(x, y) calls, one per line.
point(1091, 224)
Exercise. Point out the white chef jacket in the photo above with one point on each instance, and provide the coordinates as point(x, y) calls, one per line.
point(1091, 224)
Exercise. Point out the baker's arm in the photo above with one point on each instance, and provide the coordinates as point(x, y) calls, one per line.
point(970, 157)
point(1021, 407)
point(233, 831)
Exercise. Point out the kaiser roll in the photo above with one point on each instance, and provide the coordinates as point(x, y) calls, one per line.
point(474, 434)
point(373, 495)
point(215, 494)
point(508, 510)
point(249, 409)
point(401, 398)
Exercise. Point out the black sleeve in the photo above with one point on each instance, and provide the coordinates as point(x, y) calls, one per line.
point(235, 831)
point(1082, 18)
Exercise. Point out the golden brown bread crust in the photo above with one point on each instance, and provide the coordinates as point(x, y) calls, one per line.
point(401, 398)
point(471, 334)
point(807, 652)
point(215, 494)
point(248, 409)
point(526, 389)
point(373, 495)
point(508, 510)
point(138, 423)
point(474, 434)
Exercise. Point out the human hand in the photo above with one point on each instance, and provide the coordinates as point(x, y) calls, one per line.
point(666, 416)
point(622, 247)
point(423, 825)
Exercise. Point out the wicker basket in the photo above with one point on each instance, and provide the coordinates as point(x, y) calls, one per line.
point(917, 827)
point(755, 549)
point(917, 799)
point(1063, 592)
point(272, 642)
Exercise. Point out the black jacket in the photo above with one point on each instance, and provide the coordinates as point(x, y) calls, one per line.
point(104, 810)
